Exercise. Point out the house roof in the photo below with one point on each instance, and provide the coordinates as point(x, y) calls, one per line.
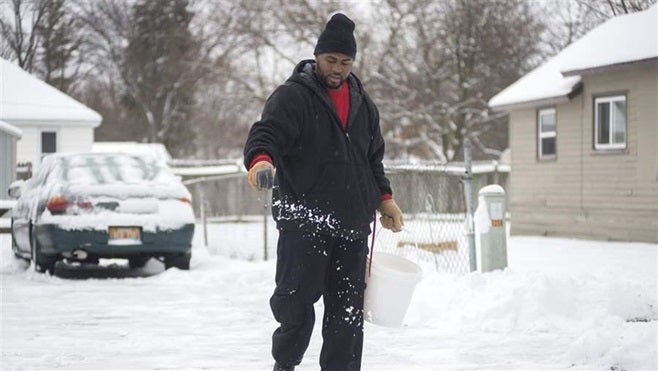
point(620, 40)
point(10, 129)
point(25, 98)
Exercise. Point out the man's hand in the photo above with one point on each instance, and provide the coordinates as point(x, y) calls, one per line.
point(253, 173)
point(391, 215)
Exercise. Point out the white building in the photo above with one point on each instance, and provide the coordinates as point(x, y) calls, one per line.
point(9, 135)
point(50, 121)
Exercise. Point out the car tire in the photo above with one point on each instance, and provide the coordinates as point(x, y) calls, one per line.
point(180, 261)
point(138, 261)
point(42, 263)
point(14, 246)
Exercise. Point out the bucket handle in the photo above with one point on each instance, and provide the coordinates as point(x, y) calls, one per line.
point(372, 243)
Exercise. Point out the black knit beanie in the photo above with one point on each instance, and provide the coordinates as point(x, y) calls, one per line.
point(337, 37)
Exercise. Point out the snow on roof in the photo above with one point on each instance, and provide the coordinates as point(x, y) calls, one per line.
point(544, 82)
point(623, 39)
point(10, 129)
point(158, 150)
point(24, 97)
point(628, 38)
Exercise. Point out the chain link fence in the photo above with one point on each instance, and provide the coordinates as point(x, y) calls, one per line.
point(431, 196)
point(436, 224)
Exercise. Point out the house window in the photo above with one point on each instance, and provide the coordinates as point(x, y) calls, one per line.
point(610, 122)
point(546, 127)
point(48, 142)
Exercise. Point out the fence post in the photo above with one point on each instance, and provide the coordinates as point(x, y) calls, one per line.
point(240, 206)
point(202, 210)
point(468, 191)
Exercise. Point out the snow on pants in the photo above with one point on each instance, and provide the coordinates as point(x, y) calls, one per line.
point(309, 266)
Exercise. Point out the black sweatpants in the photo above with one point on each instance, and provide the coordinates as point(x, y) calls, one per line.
point(309, 266)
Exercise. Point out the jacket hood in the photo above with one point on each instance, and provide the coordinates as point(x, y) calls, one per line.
point(304, 73)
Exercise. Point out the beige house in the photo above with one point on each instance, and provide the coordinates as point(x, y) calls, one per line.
point(584, 136)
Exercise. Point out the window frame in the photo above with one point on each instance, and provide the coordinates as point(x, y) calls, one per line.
point(542, 135)
point(41, 133)
point(610, 145)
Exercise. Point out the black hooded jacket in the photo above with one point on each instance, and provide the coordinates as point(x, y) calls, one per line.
point(329, 180)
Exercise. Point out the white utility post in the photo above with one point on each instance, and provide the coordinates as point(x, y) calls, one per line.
point(490, 224)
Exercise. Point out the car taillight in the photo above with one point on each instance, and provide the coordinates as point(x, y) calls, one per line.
point(57, 205)
point(64, 205)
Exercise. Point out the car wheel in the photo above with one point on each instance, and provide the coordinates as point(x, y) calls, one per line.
point(42, 263)
point(137, 261)
point(19, 256)
point(14, 246)
point(180, 260)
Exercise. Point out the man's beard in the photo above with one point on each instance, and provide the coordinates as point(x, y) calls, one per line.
point(328, 82)
point(333, 81)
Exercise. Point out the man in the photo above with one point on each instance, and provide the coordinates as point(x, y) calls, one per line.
point(321, 131)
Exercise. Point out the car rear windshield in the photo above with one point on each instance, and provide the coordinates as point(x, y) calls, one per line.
point(102, 169)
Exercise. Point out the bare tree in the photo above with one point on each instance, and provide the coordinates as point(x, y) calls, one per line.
point(261, 42)
point(19, 41)
point(226, 102)
point(279, 33)
point(431, 88)
point(158, 69)
point(607, 8)
point(149, 63)
point(569, 20)
point(198, 85)
point(108, 27)
point(59, 62)
point(439, 64)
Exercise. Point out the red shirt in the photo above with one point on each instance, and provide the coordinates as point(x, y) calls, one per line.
point(341, 99)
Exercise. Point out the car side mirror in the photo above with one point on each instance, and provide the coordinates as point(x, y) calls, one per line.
point(15, 189)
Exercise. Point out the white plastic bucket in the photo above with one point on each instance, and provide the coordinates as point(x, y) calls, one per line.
point(389, 289)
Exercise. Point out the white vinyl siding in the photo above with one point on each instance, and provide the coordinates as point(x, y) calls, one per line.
point(69, 139)
point(7, 161)
point(547, 133)
point(610, 122)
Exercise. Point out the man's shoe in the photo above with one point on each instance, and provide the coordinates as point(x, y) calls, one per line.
point(280, 367)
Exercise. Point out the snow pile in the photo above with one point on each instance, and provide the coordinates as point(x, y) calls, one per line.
point(526, 301)
point(609, 323)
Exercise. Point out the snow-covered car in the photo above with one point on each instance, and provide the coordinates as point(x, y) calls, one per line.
point(87, 206)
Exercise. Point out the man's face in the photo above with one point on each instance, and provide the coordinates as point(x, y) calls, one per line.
point(333, 68)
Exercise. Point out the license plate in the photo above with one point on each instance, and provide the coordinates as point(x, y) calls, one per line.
point(124, 236)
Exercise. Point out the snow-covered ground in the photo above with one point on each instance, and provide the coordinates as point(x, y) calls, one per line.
point(561, 304)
